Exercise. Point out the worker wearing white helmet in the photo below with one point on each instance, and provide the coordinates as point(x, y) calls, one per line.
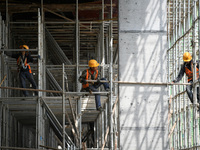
point(187, 68)
point(93, 74)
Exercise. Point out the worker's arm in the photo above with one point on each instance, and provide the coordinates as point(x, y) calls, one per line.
point(197, 64)
point(29, 57)
point(180, 74)
point(82, 77)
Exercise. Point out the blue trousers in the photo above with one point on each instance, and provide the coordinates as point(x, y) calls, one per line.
point(95, 87)
point(29, 76)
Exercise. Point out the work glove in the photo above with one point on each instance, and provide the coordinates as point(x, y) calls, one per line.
point(39, 57)
point(83, 81)
point(98, 81)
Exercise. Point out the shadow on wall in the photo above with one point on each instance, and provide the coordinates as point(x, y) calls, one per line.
point(142, 58)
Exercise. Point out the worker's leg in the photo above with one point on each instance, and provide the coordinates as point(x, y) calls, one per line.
point(22, 78)
point(98, 101)
point(189, 92)
point(30, 78)
point(198, 95)
point(105, 84)
point(97, 96)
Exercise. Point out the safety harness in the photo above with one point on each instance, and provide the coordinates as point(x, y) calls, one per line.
point(22, 63)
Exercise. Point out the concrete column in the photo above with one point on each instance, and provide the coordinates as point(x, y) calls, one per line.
point(142, 58)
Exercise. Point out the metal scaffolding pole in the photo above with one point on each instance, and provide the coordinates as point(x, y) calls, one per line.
point(199, 51)
point(102, 128)
point(1, 108)
point(179, 97)
point(194, 50)
point(7, 24)
point(77, 76)
point(173, 104)
point(188, 103)
point(184, 100)
point(102, 40)
point(63, 104)
point(39, 134)
point(111, 78)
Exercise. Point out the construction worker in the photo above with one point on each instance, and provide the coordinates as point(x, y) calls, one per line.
point(187, 68)
point(24, 68)
point(93, 74)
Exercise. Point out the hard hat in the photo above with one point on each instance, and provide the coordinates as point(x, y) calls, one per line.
point(187, 57)
point(23, 47)
point(93, 63)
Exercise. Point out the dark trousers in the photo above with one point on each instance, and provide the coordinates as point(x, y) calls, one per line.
point(94, 88)
point(190, 94)
point(29, 76)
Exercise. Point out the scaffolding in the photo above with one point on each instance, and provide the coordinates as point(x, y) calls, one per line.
point(61, 115)
point(183, 23)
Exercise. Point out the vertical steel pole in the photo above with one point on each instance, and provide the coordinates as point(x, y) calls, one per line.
point(97, 131)
point(111, 78)
point(38, 104)
point(102, 128)
point(63, 103)
point(1, 74)
point(173, 69)
point(40, 83)
point(168, 62)
point(77, 73)
point(1, 125)
point(194, 50)
point(77, 47)
point(0, 30)
point(106, 118)
point(184, 99)
point(199, 55)
point(102, 40)
point(178, 57)
point(188, 102)
point(7, 24)
point(7, 124)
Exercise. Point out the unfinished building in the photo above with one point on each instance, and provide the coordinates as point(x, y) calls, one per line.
point(129, 40)
point(65, 36)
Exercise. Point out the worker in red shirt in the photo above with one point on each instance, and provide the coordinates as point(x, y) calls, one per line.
point(187, 68)
point(93, 74)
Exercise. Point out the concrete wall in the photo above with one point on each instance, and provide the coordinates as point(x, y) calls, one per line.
point(142, 58)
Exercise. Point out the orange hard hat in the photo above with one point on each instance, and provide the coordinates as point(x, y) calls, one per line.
point(187, 57)
point(93, 63)
point(23, 47)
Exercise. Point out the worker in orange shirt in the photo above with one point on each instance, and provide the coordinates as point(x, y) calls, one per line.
point(24, 68)
point(93, 74)
point(187, 68)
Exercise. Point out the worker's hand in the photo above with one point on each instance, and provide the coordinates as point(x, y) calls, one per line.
point(98, 81)
point(173, 81)
point(83, 81)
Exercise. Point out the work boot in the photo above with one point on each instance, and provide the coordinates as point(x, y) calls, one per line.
point(100, 108)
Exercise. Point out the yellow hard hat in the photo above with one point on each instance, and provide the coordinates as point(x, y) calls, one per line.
point(23, 47)
point(187, 57)
point(93, 63)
